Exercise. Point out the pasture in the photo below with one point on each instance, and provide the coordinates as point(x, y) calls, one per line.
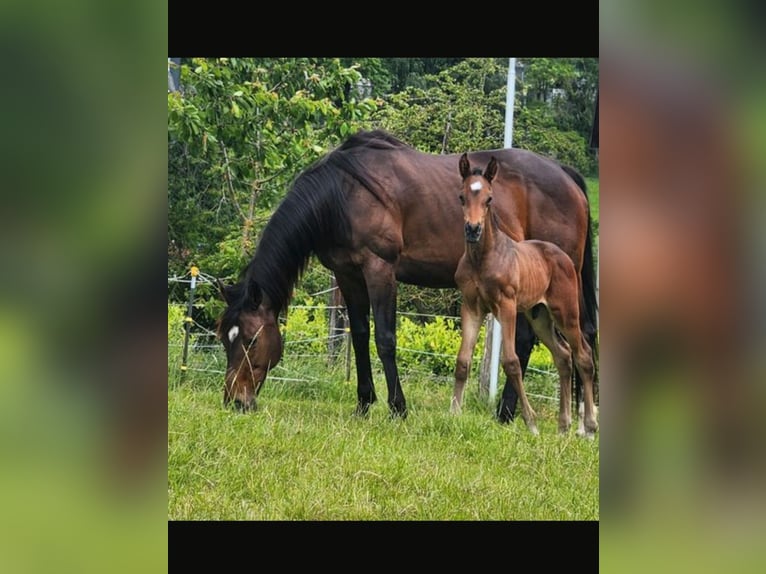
point(303, 456)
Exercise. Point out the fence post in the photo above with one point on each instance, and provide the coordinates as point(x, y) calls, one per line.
point(347, 329)
point(188, 320)
point(332, 333)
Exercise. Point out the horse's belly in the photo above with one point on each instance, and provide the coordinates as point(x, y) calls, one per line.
point(438, 274)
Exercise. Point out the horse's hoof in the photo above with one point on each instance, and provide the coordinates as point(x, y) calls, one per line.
point(361, 411)
point(504, 417)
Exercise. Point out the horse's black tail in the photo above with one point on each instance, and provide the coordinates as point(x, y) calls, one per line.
point(589, 314)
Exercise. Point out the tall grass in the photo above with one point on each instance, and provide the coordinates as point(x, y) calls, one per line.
point(303, 456)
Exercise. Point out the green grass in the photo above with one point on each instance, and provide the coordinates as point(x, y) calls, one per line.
point(303, 456)
point(592, 185)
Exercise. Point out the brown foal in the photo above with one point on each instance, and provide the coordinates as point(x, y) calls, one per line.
point(501, 276)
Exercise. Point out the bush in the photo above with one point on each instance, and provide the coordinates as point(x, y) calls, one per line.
point(432, 346)
point(306, 329)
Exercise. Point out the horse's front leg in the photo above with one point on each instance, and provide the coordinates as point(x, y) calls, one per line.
point(358, 306)
point(381, 287)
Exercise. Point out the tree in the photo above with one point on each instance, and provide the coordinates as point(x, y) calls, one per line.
point(237, 135)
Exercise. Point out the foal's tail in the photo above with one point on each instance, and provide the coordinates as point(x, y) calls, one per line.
point(589, 302)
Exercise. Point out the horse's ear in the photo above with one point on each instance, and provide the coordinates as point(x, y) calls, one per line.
point(491, 170)
point(222, 290)
point(254, 296)
point(465, 166)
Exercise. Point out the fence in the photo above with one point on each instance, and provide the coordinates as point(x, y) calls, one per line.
point(202, 352)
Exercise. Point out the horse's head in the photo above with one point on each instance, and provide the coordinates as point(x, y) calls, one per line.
point(475, 196)
point(250, 334)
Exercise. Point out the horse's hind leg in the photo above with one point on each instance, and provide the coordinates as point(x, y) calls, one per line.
point(470, 325)
point(543, 325)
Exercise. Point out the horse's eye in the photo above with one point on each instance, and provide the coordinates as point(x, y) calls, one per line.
point(462, 200)
point(489, 200)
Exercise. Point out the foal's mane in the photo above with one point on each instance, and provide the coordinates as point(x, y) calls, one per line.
point(313, 215)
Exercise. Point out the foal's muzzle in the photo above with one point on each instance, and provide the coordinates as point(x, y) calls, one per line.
point(472, 232)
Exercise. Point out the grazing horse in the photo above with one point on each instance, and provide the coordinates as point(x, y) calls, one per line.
point(376, 211)
point(499, 275)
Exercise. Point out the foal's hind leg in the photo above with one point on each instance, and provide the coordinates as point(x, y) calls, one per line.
point(569, 325)
point(542, 323)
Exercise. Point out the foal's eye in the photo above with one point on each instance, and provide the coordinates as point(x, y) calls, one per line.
point(489, 200)
point(462, 200)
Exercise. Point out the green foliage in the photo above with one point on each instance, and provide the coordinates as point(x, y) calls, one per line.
point(430, 347)
point(306, 328)
point(534, 129)
point(237, 136)
point(459, 109)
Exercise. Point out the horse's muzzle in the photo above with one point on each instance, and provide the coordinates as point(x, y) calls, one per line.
point(472, 232)
point(245, 406)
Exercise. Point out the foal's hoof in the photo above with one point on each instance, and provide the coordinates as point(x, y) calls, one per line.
point(581, 432)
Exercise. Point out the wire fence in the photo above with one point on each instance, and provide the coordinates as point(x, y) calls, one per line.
point(202, 352)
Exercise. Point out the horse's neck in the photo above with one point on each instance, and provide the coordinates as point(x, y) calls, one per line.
point(478, 252)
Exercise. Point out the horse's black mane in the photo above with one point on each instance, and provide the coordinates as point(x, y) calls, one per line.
point(311, 216)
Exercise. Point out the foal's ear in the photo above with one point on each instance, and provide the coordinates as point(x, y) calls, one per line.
point(491, 170)
point(465, 166)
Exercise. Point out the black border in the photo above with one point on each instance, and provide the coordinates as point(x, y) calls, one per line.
point(519, 30)
point(544, 544)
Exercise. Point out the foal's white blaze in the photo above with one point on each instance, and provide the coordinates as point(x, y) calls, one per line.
point(476, 186)
point(233, 332)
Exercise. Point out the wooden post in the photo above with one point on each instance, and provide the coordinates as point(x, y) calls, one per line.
point(336, 325)
point(486, 359)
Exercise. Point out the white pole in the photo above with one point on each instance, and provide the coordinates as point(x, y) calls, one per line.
point(507, 142)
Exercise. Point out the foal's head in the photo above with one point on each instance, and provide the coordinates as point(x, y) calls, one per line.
point(475, 196)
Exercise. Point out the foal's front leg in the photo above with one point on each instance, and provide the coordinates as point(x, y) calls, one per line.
point(470, 321)
point(511, 364)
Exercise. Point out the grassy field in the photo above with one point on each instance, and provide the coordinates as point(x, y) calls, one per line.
point(303, 456)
